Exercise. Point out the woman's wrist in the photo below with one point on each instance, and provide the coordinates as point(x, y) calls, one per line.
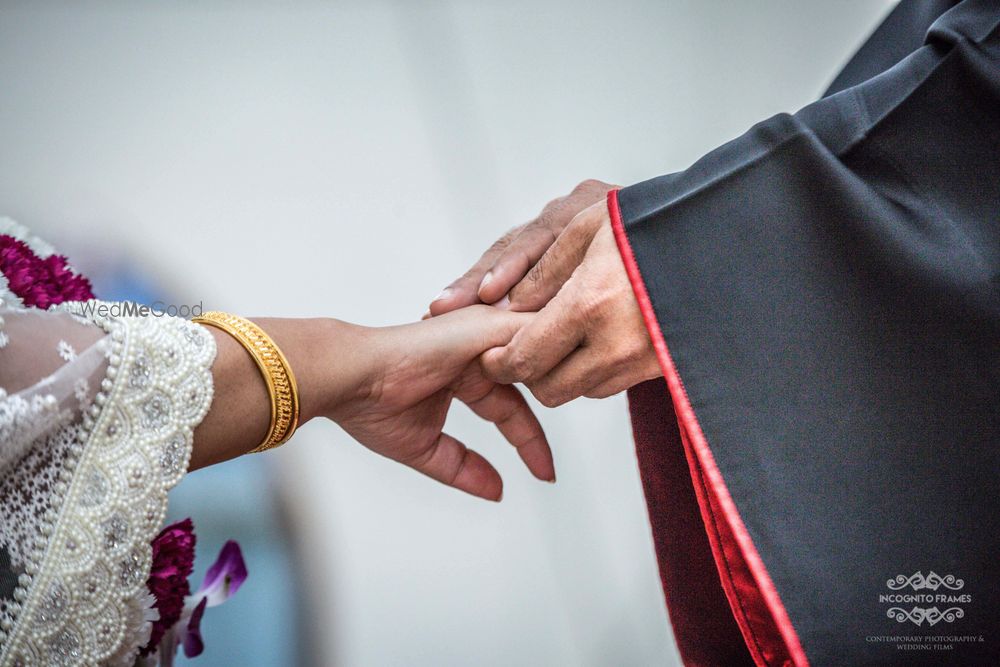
point(332, 361)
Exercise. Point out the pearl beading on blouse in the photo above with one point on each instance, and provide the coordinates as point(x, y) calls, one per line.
point(102, 476)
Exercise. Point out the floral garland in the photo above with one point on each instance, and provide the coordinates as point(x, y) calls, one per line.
point(34, 273)
point(40, 283)
point(36, 277)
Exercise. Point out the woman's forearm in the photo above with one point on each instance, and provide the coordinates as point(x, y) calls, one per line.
point(327, 357)
point(390, 388)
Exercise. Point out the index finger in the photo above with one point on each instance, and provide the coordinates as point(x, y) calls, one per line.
point(544, 280)
point(465, 290)
point(516, 259)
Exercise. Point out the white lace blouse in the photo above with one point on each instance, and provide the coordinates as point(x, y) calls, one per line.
point(96, 422)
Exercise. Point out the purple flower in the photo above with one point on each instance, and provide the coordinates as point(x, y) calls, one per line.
point(173, 561)
point(193, 643)
point(221, 582)
point(226, 575)
point(40, 282)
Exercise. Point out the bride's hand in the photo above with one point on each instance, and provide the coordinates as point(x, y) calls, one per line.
point(396, 384)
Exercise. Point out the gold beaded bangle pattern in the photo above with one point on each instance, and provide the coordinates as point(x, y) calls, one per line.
point(274, 368)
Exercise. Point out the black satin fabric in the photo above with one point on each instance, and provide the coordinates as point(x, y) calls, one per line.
point(828, 285)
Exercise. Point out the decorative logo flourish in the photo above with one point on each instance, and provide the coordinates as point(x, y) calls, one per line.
point(918, 581)
point(918, 615)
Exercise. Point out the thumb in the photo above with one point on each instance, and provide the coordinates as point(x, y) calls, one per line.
point(551, 272)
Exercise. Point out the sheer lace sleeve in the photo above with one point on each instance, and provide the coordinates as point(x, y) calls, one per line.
point(96, 421)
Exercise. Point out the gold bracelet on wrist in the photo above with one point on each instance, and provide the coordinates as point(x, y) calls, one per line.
point(273, 367)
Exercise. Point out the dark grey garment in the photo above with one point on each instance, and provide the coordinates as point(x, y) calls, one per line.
point(828, 285)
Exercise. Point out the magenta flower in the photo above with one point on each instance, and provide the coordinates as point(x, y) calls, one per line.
point(173, 561)
point(40, 282)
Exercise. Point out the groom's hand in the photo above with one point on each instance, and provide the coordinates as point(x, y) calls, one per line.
point(508, 260)
point(590, 339)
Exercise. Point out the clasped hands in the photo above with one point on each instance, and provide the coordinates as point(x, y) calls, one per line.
point(549, 305)
point(588, 337)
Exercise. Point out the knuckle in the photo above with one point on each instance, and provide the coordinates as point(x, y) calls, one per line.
point(553, 204)
point(593, 304)
point(548, 401)
point(455, 466)
point(553, 219)
point(520, 366)
point(536, 274)
point(500, 244)
point(469, 276)
point(590, 185)
point(504, 241)
point(631, 352)
point(547, 397)
point(546, 219)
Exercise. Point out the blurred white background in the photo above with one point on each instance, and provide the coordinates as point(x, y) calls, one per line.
point(350, 159)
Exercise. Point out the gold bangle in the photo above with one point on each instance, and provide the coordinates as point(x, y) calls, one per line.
point(275, 369)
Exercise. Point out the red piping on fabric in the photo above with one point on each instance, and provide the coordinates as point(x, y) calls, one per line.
point(704, 467)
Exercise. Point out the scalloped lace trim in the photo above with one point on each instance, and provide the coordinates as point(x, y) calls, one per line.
point(82, 597)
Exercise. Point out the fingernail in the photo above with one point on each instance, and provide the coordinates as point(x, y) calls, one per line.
point(486, 280)
point(504, 303)
point(426, 316)
point(445, 293)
